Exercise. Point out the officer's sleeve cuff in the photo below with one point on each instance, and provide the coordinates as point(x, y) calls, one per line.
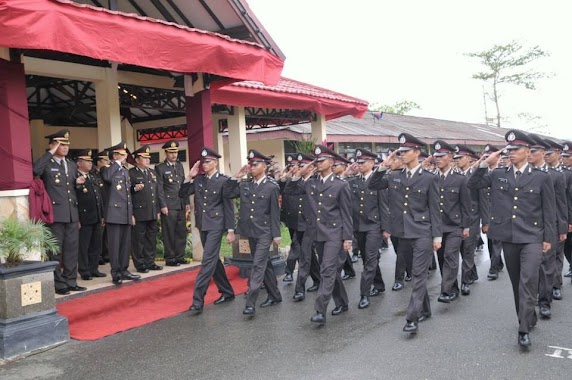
point(483, 164)
point(296, 178)
point(230, 230)
point(437, 239)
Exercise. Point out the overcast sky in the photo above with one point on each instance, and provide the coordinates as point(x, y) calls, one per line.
point(387, 51)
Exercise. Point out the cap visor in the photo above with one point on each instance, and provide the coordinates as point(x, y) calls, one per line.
point(440, 154)
point(404, 148)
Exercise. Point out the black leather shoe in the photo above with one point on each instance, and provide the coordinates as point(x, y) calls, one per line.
point(77, 288)
point(299, 296)
point(407, 278)
point(424, 317)
point(347, 277)
point(465, 290)
point(172, 264)
point(354, 259)
point(249, 310)
point(98, 274)
point(556, 294)
point(130, 276)
point(453, 296)
point(143, 270)
point(117, 280)
point(471, 281)
point(183, 261)
point(545, 312)
point(376, 292)
point(397, 286)
point(340, 309)
point(86, 277)
point(318, 318)
point(363, 302)
point(568, 274)
point(269, 302)
point(444, 297)
point(195, 309)
point(524, 340)
point(224, 298)
point(410, 327)
point(313, 288)
point(155, 267)
point(288, 278)
point(492, 276)
point(63, 291)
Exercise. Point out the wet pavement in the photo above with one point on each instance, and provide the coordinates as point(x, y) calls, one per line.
point(474, 337)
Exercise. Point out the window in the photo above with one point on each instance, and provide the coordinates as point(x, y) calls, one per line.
point(349, 149)
point(182, 155)
point(154, 158)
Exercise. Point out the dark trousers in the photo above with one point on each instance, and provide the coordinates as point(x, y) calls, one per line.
point(295, 253)
point(522, 264)
point(331, 256)
point(422, 250)
point(262, 271)
point(558, 265)
point(403, 260)
point(368, 244)
point(546, 274)
point(468, 247)
point(174, 235)
point(348, 265)
point(211, 267)
point(118, 244)
point(448, 257)
point(144, 243)
point(307, 263)
point(568, 249)
point(495, 253)
point(67, 236)
point(89, 248)
point(104, 250)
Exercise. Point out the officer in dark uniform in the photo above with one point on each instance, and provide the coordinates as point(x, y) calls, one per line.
point(90, 207)
point(367, 215)
point(259, 220)
point(214, 215)
point(145, 210)
point(455, 202)
point(415, 218)
point(329, 225)
point(59, 174)
point(118, 213)
point(170, 177)
point(522, 217)
point(288, 216)
point(102, 161)
point(567, 165)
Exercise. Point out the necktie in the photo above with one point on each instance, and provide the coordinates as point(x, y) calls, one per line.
point(518, 173)
point(442, 177)
point(408, 174)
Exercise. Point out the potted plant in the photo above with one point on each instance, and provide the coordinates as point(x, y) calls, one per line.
point(28, 318)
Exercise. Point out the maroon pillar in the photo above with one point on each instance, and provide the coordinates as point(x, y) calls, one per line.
point(199, 124)
point(15, 144)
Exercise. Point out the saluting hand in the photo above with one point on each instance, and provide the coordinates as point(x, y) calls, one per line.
point(54, 147)
point(194, 170)
point(241, 172)
point(389, 159)
point(492, 157)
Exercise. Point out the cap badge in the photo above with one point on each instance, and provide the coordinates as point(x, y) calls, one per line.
point(437, 146)
point(204, 153)
point(511, 137)
point(67, 135)
point(251, 155)
point(173, 144)
point(89, 153)
point(402, 140)
point(147, 150)
point(457, 149)
point(317, 150)
point(300, 158)
point(358, 153)
point(566, 147)
point(487, 148)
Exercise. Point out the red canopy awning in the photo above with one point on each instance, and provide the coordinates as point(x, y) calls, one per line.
point(289, 94)
point(65, 26)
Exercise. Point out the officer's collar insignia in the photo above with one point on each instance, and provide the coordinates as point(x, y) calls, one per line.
point(402, 140)
point(511, 137)
point(204, 153)
point(437, 146)
point(317, 150)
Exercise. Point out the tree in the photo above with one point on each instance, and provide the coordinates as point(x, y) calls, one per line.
point(399, 108)
point(507, 64)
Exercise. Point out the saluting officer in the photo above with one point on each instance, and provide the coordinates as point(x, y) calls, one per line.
point(455, 202)
point(118, 214)
point(214, 215)
point(59, 176)
point(567, 164)
point(102, 161)
point(259, 221)
point(170, 177)
point(145, 210)
point(415, 218)
point(90, 207)
point(522, 217)
point(329, 226)
point(288, 216)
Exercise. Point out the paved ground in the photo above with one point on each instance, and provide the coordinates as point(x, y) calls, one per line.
point(472, 338)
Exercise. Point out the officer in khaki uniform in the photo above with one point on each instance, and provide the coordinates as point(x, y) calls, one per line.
point(170, 177)
point(145, 210)
point(522, 217)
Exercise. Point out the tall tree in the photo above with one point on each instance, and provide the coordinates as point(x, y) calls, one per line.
point(399, 108)
point(509, 64)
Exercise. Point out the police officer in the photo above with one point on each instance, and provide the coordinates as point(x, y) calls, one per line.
point(455, 202)
point(288, 216)
point(90, 207)
point(566, 156)
point(102, 161)
point(170, 177)
point(415, 218)
point(118, 213)
point(522, 217)
point(59, 174)
point(214, 215)
point(145, 210)
point(259, 221)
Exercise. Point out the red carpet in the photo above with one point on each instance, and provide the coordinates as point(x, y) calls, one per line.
point(129, 306)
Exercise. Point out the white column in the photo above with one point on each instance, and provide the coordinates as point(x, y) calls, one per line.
point(108, 116)
point(319, 129)
point(218, 145)
point(237, 139)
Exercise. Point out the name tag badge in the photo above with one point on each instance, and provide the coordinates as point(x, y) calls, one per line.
point(398, 180)
point(168, 172)
point(54, 169)
point(504, 180)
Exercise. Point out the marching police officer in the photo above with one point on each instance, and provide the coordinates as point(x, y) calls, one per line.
point(145, 210)
point(567, 165)
point(90, 207)
point(170, 177)
point(214, 215)
point(522, 217)
point(415, 218)
point(59, 176)
point(259, 220)
point(288, 216)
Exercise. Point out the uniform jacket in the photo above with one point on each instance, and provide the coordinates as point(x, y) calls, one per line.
point(480, 203)
point(90, 201)
point(294, 209)
point(259, 213)
point(559, 182)
point(212, 210)
point(169, 181)
point(519, 214)
point(145, 202)
point(367, 210)
point(329, 215)
point(568, 176)
point(455, 201)
point(413, 203)
point(60, 186)
point(119, 208)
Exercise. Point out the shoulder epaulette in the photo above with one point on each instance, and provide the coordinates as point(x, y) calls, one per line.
point(542, 169)
point(429, 171)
